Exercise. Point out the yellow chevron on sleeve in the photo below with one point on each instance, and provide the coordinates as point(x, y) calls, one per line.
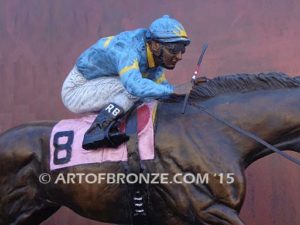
point(107, 41)
point(161, 79)
point(134, 66)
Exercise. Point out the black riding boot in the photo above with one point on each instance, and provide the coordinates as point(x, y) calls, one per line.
point(101, 134)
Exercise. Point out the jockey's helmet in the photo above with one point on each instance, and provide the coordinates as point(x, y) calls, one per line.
point(167, 30)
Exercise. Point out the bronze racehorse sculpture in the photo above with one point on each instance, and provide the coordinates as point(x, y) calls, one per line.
point(265, 104)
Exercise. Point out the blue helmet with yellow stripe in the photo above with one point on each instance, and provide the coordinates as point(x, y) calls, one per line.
point(167, 29)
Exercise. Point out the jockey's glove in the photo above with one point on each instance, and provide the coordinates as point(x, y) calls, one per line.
point(200, 80)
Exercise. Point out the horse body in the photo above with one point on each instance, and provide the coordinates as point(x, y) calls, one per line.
point(192, 143)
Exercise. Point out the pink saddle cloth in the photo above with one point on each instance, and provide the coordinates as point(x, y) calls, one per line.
point(67, 135)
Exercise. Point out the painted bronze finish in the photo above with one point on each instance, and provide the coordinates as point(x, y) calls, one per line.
point(267, 105)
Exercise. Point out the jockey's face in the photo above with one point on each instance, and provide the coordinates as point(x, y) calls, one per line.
point(167, 54)
point(172, 53)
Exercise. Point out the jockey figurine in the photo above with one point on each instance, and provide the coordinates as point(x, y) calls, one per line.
point(115, 72)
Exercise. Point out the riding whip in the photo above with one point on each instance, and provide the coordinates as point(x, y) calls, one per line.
point(196, 72)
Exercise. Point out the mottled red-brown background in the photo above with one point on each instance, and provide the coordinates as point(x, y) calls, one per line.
point(40, 40)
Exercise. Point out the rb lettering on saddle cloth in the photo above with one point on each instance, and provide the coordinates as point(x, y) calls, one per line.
point(67, 135)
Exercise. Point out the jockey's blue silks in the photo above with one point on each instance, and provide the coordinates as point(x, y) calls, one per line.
point(126, 55)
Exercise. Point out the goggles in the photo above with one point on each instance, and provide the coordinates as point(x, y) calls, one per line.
point(174, 48)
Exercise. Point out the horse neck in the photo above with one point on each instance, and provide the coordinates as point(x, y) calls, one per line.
point(271, 115)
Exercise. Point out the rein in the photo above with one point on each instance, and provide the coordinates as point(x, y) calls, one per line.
point(247, 134)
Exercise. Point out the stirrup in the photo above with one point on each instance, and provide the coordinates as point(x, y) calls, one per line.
point(114, 136)
point(111, 137)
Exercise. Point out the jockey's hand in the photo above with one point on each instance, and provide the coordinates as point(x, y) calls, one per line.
point(200, 80)
point(183, 89)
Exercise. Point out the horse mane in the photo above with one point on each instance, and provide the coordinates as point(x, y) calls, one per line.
point(243, 83)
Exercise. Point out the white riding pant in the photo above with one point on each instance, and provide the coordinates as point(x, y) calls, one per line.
point(80, 95)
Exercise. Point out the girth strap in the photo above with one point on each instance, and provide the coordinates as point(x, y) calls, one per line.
point(138, 191)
